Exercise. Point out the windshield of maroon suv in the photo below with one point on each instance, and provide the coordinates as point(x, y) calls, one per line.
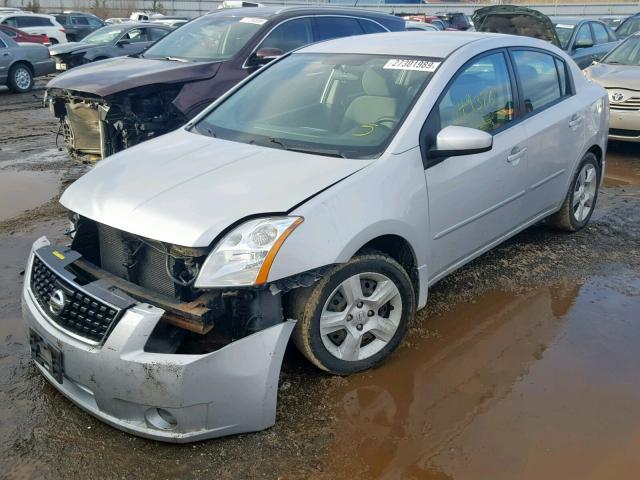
point(345, 105)
point(210, 38)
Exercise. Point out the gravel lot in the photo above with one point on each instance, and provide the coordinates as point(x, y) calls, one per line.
point(523, 365)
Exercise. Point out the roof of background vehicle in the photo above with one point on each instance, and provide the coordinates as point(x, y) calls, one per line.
point(25, 14)
point(432, 44)
point(571, 20)
point(266, 12)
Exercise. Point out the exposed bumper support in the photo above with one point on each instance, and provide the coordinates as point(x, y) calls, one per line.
point(228, 391)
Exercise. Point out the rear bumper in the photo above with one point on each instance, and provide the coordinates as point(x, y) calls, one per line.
point(45, 67)
point(228, 391)
point(624, 125)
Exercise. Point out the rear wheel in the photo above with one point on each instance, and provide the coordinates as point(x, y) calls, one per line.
point(581, 198)
point(20, 78)
point(354, 317)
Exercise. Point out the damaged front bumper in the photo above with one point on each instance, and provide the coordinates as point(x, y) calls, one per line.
point(168, 397)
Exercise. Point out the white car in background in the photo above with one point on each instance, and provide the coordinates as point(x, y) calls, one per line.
point(322, 196)
point(36, 24)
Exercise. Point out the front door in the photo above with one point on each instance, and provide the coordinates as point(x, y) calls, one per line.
point(475, 200)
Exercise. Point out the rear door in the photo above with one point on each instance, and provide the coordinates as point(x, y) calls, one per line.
point(554, 124)
point(476, 200)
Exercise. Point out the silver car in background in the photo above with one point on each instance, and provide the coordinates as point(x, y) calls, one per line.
point(619, 73)
point(20, 63)
point(319, 198)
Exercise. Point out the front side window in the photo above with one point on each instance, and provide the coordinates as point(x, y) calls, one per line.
point(289, 35)
point(136, 35)
point(2, 44)
point(480, 96)
point(584, 36)
point(209, 38)
point(538, 77)
point(61, 19)
point(600, 33)
point(104, 35)
point(94, 22)
point(79, 21)
point(328, 104)
point(337, 27)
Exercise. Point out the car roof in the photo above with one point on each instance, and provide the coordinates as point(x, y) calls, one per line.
point(25, 14)
point(272, 11)
point(431, 44)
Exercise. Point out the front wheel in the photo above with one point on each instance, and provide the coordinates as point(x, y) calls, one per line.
point(356, 316)
point(581, 198)
point(20, 78)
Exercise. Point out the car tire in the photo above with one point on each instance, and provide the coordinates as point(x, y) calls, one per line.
point(375, 291)
point(20, 78)
point(580, 201)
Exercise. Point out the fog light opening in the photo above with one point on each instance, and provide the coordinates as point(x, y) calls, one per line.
point(160, 418)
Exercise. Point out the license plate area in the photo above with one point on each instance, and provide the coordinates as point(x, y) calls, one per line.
point(61, 66)
point(46, 355)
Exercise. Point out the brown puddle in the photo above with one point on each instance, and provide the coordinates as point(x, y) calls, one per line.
point(623, 165)
point(534, 386)
point(24, 190)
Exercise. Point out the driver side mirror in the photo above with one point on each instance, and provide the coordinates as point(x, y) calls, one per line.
point(584, 43)
point(265, 55)
point(453, 141)
point(123, 42)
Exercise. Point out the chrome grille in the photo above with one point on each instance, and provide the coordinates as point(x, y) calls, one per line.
point(83, 314)
point(628, 104)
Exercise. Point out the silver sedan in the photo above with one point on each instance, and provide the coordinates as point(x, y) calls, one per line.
point(321, 197)
point(21, 62)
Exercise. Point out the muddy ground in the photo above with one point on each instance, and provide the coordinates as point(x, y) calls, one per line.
point(523, 365)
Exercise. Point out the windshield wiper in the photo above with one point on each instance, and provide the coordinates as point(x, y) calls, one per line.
point(317, 151)
point(176, 59)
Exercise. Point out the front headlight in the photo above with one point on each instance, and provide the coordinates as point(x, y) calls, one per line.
point(245, 255)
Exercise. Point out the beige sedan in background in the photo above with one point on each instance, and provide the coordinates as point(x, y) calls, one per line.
point(619, 73)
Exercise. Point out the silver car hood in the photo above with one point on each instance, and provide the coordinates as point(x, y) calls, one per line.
point(616, 76)
point(185, 189)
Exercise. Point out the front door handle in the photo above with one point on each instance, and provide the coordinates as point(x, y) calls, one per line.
point(6, 54)
point(516, 154)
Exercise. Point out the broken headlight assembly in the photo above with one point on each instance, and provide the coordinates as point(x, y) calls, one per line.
point(244, 256)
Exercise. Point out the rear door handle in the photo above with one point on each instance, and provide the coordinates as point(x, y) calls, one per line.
point(575, 121)
point(516, 154)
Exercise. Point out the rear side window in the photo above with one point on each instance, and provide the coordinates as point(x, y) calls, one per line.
point(480, 96)
point(600, 34)
point(337, 27)
point(538, 77)
point(26, 21)
point(371, 27)
point(289, 35)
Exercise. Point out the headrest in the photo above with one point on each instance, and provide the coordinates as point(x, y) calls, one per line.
point(375, 84)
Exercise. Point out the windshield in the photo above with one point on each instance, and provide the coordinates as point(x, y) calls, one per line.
point(210, 38)
point(629, 26)
point(627, 53)
point(564, 32)
point(104, 35)
point(344, 105)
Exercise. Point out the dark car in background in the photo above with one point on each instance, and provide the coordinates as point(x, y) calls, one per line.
point(20, 36)
point(455, 20)
point(630, 26)
point(108, 42)
point(120, 102)
point(78, 25)
point(586, 40)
